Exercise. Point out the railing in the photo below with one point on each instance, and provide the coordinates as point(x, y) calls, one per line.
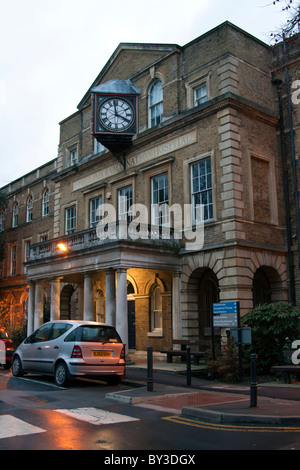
point(108, 234)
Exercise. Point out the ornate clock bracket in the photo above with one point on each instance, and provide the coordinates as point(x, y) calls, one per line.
point(121, 158)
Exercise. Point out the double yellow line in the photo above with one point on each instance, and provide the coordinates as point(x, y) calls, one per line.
point(230, 427)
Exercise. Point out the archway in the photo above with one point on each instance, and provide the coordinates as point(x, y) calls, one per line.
point(65, 302)
point(131, 315)
point(267, 286)
point(203, 291)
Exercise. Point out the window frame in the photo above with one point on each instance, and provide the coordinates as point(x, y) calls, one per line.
point(29, 209)
point(15, 215)
point(97, 218)
point(208, 189)
point(70, 220)
point(126, 214)
point(161, 217)
point(154, 117)
point(45, 202)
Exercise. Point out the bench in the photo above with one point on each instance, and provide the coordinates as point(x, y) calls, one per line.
point(182, 352)
point(288, 370)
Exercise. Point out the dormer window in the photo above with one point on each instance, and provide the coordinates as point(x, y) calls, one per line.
point(200, 95)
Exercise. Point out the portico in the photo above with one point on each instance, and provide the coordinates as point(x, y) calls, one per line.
point(105, 268)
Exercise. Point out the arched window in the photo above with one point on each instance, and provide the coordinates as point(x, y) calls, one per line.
point(45, 202)
point(15, 214)
point(29, 207)
point(155, 102)
point(156, 309)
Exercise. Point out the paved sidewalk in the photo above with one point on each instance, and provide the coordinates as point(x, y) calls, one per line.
point(215, 406)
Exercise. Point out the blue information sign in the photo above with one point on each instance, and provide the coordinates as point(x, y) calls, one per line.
point(225, 314)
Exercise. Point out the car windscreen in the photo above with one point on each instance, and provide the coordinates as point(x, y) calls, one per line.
point(94, 334)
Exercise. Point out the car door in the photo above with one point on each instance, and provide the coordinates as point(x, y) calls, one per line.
point(52, 348)
point(32, 348)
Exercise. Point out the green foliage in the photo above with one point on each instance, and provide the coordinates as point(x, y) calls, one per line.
point(274, 327)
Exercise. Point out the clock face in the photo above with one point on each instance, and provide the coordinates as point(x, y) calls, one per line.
point(116, 114)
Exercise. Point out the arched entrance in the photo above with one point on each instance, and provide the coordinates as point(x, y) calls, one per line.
point(203, 290)
point(65, 302)
point(267, 286)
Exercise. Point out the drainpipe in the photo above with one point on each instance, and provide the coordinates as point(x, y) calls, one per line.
point(292, 143)
point(292, 288)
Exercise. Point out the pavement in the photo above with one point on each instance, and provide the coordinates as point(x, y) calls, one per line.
point(213, 402)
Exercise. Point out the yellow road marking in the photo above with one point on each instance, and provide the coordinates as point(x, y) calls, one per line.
point(230, 427)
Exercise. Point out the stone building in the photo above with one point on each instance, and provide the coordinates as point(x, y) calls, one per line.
point(208, 135)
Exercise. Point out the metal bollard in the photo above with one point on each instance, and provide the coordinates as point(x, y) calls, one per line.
point(253, 382)
point(149, 369)
point(188, 366)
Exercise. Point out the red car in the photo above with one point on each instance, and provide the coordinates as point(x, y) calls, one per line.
point(6, 349)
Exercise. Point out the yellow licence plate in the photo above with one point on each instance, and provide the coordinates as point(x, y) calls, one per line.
point(101, 353)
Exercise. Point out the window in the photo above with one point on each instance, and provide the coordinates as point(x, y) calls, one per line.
point(125, 203)
point(70, 220)
point(27, 245)
point(155, 104)
point(160, 200)
point(13, 260)
point(95, 204)
point(200, 95)
point(156, 310)
point(2, 221)
point(29, 208)
point(43, 238)
point(201, 183)
point(45, 203)
point(73, 157)
point(15, 215)
point(98, 147)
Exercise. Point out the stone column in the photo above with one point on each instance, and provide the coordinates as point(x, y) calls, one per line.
point(39, 304)
point(31, 302)
point(121, 306)
point(176, 306)
point(88, 302)
point(110, 301)
point(55, 299)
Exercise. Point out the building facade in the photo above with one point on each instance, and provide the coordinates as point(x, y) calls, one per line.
point(198, 214)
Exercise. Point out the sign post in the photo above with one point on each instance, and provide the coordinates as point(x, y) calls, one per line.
point(227, 315)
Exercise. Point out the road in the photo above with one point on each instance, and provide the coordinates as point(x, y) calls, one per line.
point(35, 414)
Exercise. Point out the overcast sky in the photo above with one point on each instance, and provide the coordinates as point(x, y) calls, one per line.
point(52, 50)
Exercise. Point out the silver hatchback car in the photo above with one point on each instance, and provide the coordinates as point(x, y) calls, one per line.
point(68, 349)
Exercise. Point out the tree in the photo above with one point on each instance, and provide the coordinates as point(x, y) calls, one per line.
point(274, 327)
point(292, 25)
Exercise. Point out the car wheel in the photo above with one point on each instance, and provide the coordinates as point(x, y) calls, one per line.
point(61, 374)
point(17, 369)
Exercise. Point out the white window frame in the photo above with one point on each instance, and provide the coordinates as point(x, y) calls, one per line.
point(160, 206)
point(45, 203)
point(70, 220)
point(15, 215)
point(202, 90)
point(27, 245)
point(201, 189)
point(155, 103)
point(156, 325)
point(73, 157)
point(125, 200)
point(13, 259)
point(29, 209)
point(94, 205)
